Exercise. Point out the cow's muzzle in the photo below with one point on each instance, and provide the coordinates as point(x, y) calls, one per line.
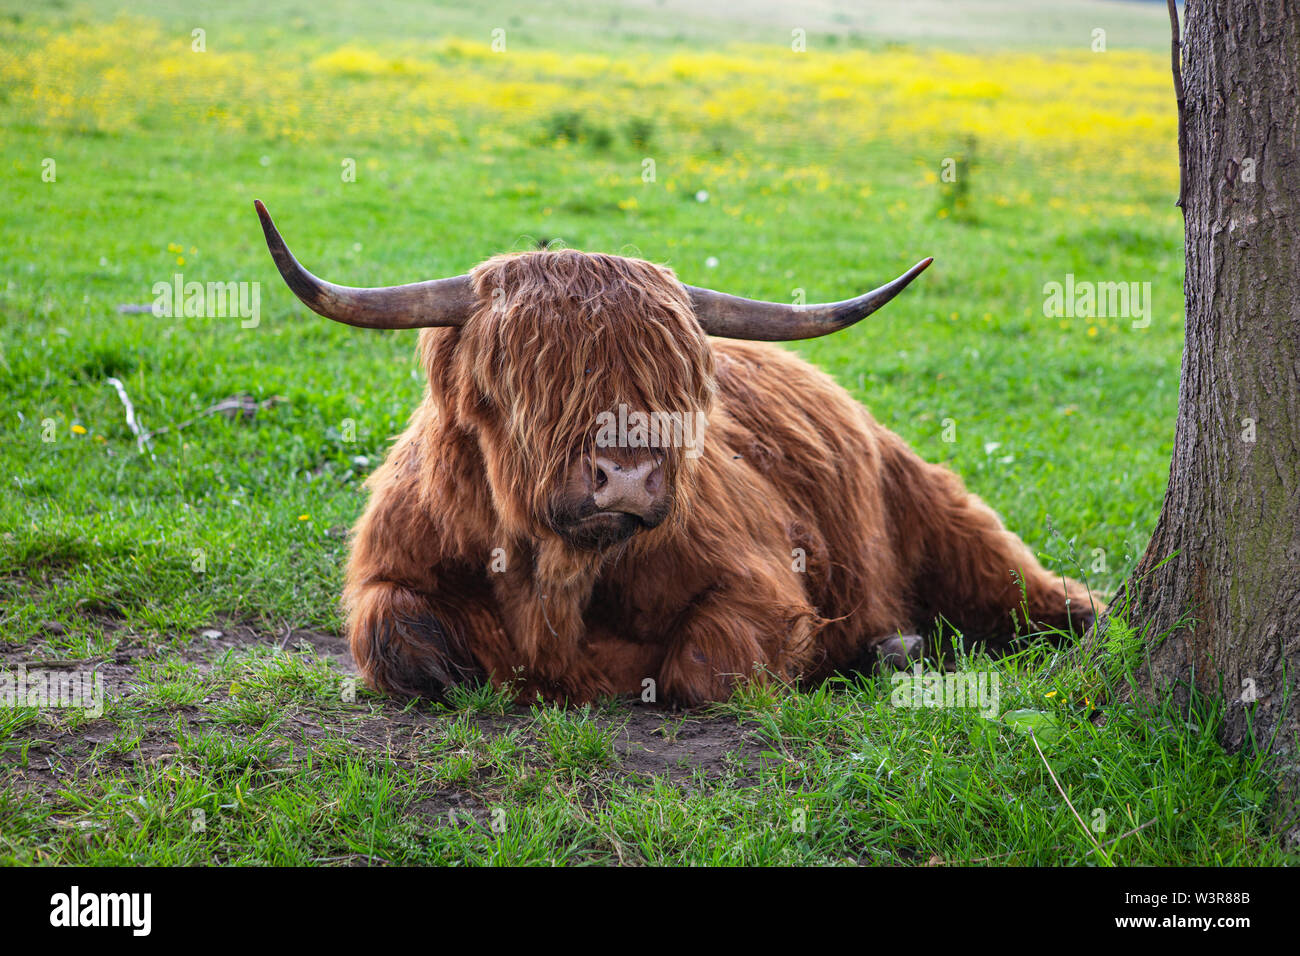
point(628, 487)
point(611, 497)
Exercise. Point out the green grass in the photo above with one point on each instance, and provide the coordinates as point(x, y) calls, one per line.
point(238, 750)
point(273, 768)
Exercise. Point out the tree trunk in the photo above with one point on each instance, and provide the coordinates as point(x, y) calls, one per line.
point(1231, 515)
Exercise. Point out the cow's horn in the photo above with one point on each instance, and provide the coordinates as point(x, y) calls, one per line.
point(732, 317)
point(413, 306)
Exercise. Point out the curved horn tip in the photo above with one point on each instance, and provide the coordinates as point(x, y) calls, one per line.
point(906, 278)
point(262, 214)
point(917, 269)
point(430, 304)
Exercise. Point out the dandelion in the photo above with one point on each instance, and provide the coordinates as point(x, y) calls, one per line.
point(78, 430)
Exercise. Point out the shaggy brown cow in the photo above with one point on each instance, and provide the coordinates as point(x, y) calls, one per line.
point(505, 540)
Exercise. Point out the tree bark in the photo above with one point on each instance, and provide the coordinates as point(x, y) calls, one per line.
point(1231, 514)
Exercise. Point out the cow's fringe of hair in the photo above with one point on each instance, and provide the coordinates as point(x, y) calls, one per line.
point(559, 338)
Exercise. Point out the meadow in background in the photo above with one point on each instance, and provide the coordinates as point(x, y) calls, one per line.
point(399, 145)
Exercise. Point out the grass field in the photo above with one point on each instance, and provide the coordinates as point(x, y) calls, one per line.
point(200, 577)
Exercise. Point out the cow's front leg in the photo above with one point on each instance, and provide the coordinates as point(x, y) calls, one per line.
point(408, 643)
point(606, 665)
point(543, 595)
point(625, 665)
point(418, 622)
point(737, 634)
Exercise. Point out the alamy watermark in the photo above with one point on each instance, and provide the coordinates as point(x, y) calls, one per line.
point(208, 300)
point(636, 429)
point(74, 908)
point(43, 688)
point(1098, 300)
point(977, 690)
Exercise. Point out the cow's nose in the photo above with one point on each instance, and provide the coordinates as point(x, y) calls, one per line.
point(629, 487)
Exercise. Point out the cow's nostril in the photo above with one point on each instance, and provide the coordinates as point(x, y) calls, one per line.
point(602, 479)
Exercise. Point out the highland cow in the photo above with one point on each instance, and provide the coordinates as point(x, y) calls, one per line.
point(504, 542)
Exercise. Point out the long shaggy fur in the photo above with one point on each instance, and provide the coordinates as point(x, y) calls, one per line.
point(802, 537)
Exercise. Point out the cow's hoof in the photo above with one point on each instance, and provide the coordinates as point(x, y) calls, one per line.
point(900, 651)
point(1076, 619)
point(1082, 618)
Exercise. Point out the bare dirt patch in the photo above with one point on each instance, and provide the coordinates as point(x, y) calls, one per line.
point(648, 740)
point(680, 746)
